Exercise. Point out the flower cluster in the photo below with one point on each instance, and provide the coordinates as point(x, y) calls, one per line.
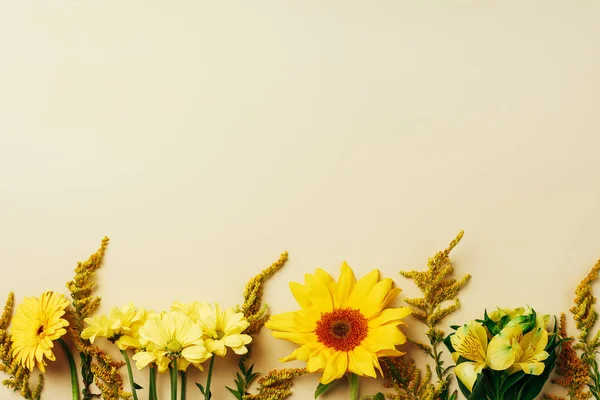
point(510, 351)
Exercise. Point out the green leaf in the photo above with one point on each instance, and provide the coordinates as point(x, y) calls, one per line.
point(138, 387)
point(324, 388)
point(379, 396)
point(512, 379)
point(200, 387)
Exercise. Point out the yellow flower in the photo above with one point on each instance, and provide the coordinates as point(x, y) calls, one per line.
point(342, 326)
point(528, 349)
point(221, 329)
point(36, 324)
point(120, 326)
point(169, 336)
point(471, 342)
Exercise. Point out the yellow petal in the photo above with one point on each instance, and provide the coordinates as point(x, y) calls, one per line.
point(336, 367)
point(470, 341)
point(293, 321)
point(374, 302)
point(467, 373)
point(500, 353)
point(301, 294)
point(529, 368)
point(362, 289)
point(344, 287)
point(392, 316)
point(361, 360)
point(320, 294)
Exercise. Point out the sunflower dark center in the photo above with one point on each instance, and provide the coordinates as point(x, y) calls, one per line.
point(342, 329)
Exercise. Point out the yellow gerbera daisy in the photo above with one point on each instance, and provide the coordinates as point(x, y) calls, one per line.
point(171, 336)
point(221, 329)
point(36, 324)
point(342, 326)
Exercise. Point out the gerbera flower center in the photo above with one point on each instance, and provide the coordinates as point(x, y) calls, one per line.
point(342, 329)
point(174, 347)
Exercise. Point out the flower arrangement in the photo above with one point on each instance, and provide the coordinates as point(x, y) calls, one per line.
point(346, 328)
point(508, 354)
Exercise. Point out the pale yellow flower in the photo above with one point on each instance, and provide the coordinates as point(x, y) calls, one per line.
point(169, 336)
point(120, 326)
point(222, 329)
point(36, 324)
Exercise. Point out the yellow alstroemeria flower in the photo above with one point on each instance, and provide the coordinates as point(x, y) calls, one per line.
point(471, 342)
point(528, 349)
point(343, 326)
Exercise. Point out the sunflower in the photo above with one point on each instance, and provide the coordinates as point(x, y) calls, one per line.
point(36, 324)
point(222, 328)
point(342, 326)
point(171, 336)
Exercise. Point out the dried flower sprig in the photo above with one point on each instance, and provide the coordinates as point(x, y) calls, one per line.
point(404, 376)
point(253, 310)
point(276, 385)
point(19, 376)
point(578, 363)
point(257, 315)
point(437, 288)
point(96, 367)
point(573, 372)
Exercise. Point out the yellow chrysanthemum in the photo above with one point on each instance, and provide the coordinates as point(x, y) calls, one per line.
point(222, 329)
point(36, 324)
point(169, 336)
point(120, 326)
point(343, 326)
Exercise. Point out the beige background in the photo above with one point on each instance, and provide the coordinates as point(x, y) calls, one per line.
point(207, 137)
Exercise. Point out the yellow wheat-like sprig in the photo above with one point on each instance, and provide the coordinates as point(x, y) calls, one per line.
point(276, 385)
point(96, 366)
point(583, 311)
point(256, 314)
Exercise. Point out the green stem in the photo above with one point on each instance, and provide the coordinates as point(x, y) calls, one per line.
point(353, 387)
point(130, 372)
point(152, 389)
point(207, 394)
point(183, 384)
point(174, 380)
point(73, 368)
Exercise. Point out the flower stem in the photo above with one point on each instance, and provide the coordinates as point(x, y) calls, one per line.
point(73, 368)
point(130, 372)
point(183, 384)
point(152, 389)
point(174, 380)
point(353, 387)
point(207, 394)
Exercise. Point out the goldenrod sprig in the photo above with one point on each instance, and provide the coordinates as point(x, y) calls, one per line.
point(577, 363)
point(276, 385)
point(437, 288)
point(96, 367)
point(257, 315)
